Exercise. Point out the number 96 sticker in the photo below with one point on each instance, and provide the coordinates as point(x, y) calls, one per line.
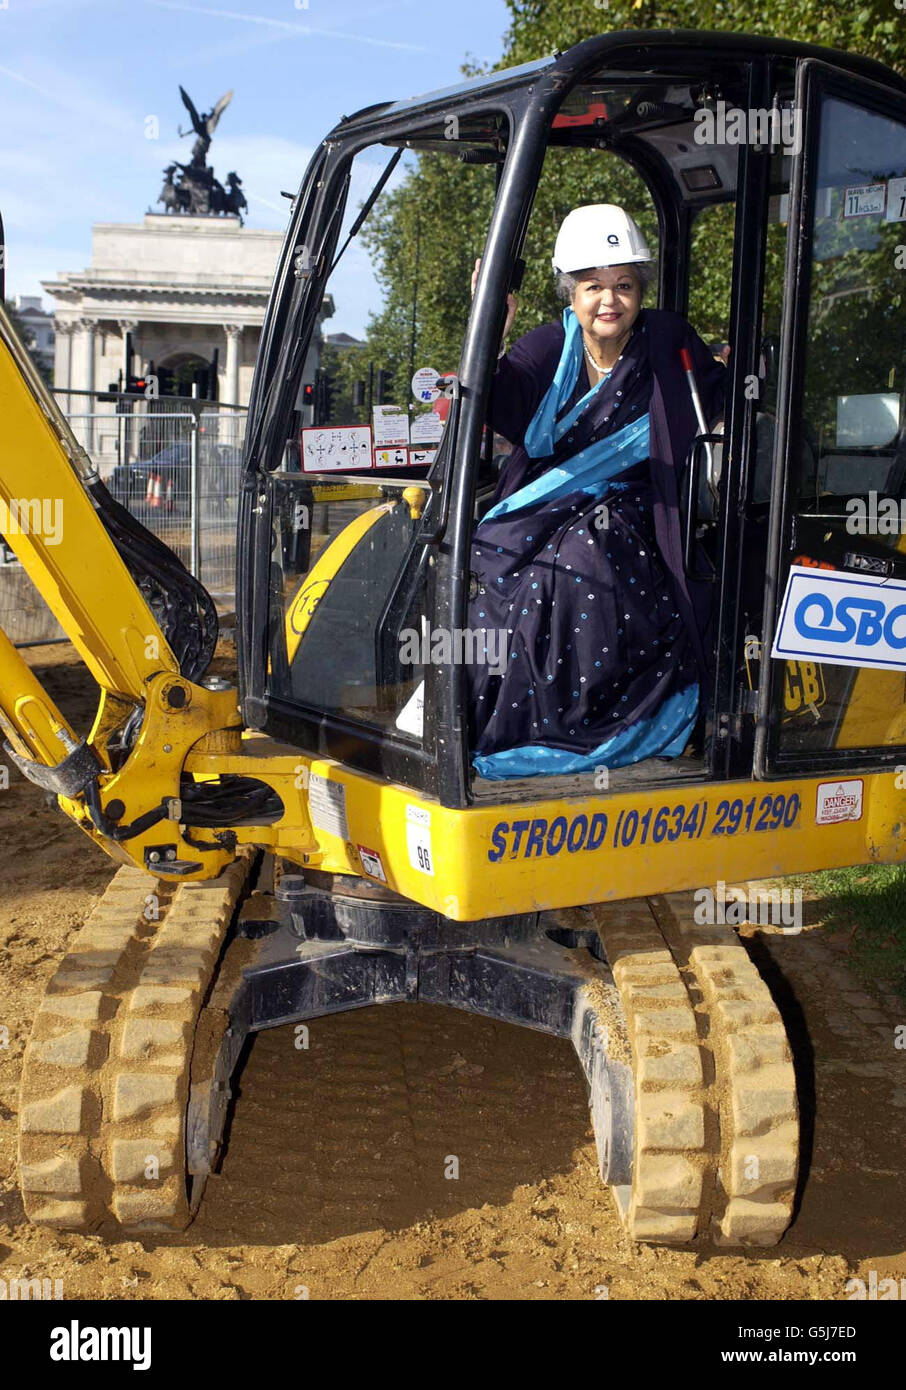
point(418, 839)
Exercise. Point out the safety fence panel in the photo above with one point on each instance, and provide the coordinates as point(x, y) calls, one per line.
point(221, 437)
point(177, 470)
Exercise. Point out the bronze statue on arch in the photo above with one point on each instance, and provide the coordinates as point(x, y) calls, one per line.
point(194, 189)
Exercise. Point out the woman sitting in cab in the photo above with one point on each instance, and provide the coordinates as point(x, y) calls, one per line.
point(579, 560)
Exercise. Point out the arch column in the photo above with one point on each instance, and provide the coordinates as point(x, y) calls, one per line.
point(87, 336)
point(234, 339)
point(62, 365)
point(84, 404)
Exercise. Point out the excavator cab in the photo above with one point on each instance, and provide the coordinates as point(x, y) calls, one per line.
point(392, 870)
point(738, 142)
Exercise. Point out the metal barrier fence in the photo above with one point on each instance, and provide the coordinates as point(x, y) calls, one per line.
point(175, 464)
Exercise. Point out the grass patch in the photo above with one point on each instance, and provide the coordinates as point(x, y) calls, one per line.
point(868, 903)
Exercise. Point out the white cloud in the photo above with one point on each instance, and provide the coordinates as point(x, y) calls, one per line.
point(60, 87)
point(289, 29)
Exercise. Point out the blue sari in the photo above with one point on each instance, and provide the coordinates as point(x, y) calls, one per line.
point(599, 670)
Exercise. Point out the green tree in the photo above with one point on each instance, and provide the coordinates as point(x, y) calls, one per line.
point(424, 238)
point(875, 29)
point(344, 366)
point(18, 323)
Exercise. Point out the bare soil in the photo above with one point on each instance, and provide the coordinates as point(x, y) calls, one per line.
point(337, 1181)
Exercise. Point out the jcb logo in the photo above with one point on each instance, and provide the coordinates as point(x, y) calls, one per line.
point(803, 687)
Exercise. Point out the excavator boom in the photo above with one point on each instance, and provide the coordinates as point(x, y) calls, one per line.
point(143, 626)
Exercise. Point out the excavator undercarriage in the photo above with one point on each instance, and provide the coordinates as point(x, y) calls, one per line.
point(128, 1073)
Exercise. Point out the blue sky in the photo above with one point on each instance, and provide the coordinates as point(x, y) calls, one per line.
point(79, 78)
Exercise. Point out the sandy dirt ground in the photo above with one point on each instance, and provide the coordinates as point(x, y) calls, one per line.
point(333, 1184)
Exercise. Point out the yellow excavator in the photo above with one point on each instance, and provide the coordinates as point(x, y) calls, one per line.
point(319, 838)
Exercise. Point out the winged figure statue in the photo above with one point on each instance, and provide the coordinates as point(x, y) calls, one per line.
point(203, 126)
point(194, 189)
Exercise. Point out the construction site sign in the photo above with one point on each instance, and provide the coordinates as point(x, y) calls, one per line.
point(339, 448)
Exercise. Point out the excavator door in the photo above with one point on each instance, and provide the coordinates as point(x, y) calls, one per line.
point(832, 692)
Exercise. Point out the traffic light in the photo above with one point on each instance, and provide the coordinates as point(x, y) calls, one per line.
point(381, 386)
point(324, 389)
point(308, 393)
point(166, 385)
point(358, 393)
point(135, 385)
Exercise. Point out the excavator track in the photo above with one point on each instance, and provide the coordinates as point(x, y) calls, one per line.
point(139, 1012)
point(106, 1070)
point(716, 1142)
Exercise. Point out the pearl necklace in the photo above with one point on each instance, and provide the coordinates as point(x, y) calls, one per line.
point(600, 370)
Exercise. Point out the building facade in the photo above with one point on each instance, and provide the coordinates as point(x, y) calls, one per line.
point(186, 288)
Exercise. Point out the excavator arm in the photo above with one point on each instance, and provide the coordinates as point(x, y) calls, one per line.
point(146, 630)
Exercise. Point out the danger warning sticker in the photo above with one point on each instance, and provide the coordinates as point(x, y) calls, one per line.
point(839, 801)
point(372, 863)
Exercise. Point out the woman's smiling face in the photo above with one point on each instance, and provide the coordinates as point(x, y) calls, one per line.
point(607, 303)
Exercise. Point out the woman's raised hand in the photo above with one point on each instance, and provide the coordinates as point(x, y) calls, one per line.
point(512, 304)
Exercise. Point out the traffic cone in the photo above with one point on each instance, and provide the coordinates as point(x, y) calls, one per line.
point(168, 505)
point(152, 496)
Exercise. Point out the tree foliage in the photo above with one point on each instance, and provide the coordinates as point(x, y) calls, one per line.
point(875, 29)
point(424, 238)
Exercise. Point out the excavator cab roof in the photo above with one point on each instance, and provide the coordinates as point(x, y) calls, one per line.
point(658, 52)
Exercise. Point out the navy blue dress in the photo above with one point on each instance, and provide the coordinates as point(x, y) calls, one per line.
point(606, 641)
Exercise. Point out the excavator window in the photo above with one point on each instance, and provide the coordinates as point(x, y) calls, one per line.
point(356, 494)
point(847, 442)
point(352, 576)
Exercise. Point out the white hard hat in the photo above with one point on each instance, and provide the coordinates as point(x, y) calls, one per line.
point(600, 234)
